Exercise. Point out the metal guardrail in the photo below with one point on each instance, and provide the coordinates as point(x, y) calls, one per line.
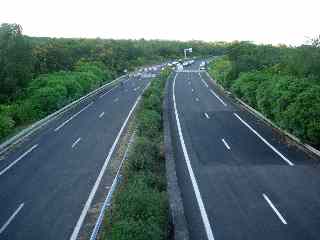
point(37, 125)
point(107, 201)
point(261, 116)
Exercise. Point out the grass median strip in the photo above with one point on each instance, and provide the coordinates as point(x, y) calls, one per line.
point(140, 207)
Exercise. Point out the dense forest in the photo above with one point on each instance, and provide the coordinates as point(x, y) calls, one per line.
point(281, 82)
point(40, 75)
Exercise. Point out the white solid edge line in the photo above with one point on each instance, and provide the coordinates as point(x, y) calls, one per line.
point(72, 117)
point(274, 209)
point(97, 183)
point(76, 142)
point(264, 140)
point(203, 81)
point(206, 115)
point(226, 144)
point(3, 228)
point(108, 91)
point(101, 115)
point(203, 212)
point(18, 159)
point(218, 97)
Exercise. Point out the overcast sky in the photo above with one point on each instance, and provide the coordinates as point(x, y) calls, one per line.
point(262, 21)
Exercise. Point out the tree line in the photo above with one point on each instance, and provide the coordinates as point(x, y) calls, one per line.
point(281, 82)
point(38, 75)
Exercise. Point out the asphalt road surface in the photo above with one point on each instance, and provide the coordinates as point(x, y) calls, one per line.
point(238, 179)
point(46, 182)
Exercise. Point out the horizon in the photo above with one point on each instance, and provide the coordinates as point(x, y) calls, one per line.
point(273, 22)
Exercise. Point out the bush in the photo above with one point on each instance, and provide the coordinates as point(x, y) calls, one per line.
point(246, 86)
point(140, 211)
point(97, 68)
point(24, 112)
point(140, 207)
point(6, 124)
point(220, 69)
point(149, 124)
point(140, 202)
point(302, 116)
point(144, 155)
point(49, 99)
point(140, 230)
point(152, 102)
point(49, 92)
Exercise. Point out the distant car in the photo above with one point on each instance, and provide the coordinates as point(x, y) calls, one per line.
point(179, 67)
point(203, 66)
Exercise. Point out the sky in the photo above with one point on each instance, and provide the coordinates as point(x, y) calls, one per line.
point(289, 22)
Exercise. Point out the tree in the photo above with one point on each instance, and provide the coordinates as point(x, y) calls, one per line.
point(16, 61)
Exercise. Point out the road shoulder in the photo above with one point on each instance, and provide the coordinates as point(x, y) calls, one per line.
point(177, 217)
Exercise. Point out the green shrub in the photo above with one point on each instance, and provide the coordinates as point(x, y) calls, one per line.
point(136, 230)
point(219, 69)
point(49, 99)
point(149, 124)
point(96, 68)
point(152, 102)
point(138, 201)
point(246, 86)
point(302, 116)
point(24, 112)
point(140, 207)
point(6, 124)
point(144, 154)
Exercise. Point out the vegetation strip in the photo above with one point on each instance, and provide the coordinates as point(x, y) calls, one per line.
point(140, 206)
point(108, 199)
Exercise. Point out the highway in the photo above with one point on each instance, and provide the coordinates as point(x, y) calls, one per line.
point(47, 182)
point(238, 178)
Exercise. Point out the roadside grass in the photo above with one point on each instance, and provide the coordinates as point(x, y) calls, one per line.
point(140, 205)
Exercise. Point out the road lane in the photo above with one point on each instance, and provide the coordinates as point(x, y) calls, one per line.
point(56, 179)
point(231, 182)
point(202, 209)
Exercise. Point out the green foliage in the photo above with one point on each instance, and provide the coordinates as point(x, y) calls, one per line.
point(149, 123)
point(49, 92)
point(97, 68)
point(145, 152)
point(48, 99)
point(131, 229)
point(220, 69)
point(39, 75)
point(140, 202)
point(140, 207)
point(302, 116)
point(6, 123)
point(16, 61)
point(282, 83)
point(246, 86)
